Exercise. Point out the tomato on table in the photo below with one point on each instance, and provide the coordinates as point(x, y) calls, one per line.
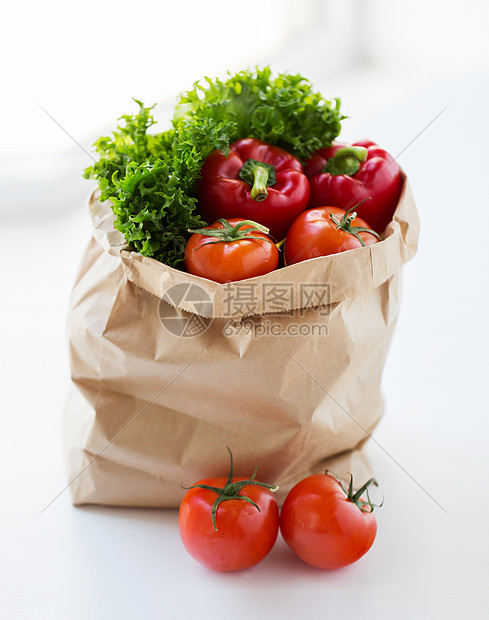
point(229, 524)
point(327, 525)
point(326, 230)
point(231, 250)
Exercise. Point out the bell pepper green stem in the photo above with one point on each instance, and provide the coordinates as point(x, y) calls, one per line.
point(259, 189)
point(259, 175)
point(346, 160)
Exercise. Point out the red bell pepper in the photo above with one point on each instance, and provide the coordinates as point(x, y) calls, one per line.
point(343, 175)
point(256, 181)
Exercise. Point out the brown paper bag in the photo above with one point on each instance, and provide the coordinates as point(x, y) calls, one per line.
point(168, 368)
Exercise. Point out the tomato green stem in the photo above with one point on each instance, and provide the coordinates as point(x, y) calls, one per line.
point(346, 224)
point(231, 489)
point(356, 496)
point(236, 231)
point(346, 160)
point(230, 233)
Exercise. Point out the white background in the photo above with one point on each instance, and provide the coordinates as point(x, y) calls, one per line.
point(396, 67)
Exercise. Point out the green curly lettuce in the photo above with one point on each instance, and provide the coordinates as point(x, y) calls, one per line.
point(151, 179)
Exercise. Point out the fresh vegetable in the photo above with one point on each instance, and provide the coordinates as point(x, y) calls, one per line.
point(231, 250)
point(229, 524)
point(342, 175)
point(283, 110)
point(255, 181)
point(151, 179)
point(326, 230)
point(327, 525)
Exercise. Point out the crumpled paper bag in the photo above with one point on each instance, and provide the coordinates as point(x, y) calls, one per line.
point(168, 369)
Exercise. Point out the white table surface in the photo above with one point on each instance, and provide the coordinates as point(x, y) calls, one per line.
point(431, 457)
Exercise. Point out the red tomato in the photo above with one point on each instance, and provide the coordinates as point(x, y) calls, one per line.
point(326, 525)
point(228, 525)
point(249, 253)
point(315, 233)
